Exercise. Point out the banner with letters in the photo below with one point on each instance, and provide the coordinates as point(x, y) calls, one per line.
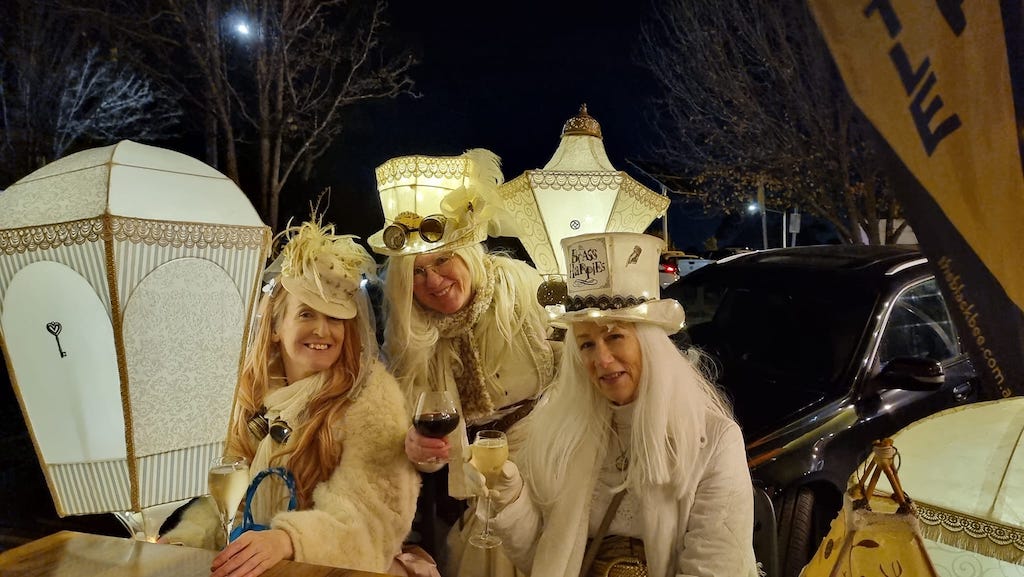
point(942, 82)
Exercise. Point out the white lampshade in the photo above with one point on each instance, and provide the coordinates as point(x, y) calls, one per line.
point(128, 275)
point(577, 192)
point(964, 467)
point(418, 183)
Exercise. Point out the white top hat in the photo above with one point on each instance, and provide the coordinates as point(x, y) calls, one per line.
point(434, 203)
point(613, 276)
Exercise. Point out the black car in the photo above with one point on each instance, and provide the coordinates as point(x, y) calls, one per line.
point(822, 350)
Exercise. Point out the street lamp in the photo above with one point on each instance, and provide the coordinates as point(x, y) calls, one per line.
point(794, 223)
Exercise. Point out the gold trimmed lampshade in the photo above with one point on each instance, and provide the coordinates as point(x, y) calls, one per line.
point(577, 192)
point(965, 469)
point(873, 534)
point(433, 203)
point(128, 275)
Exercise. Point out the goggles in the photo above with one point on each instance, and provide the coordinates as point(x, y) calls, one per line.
point(259, 426)
point(430, 228)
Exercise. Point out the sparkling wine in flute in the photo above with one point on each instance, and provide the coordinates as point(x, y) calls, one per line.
point(489, 454)
point(227, 487)
point(228, 478)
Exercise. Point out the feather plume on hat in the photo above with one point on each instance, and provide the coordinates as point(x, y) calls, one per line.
point(478, 204)
point(322, 269)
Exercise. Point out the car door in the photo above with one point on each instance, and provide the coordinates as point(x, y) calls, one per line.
point(919, 325)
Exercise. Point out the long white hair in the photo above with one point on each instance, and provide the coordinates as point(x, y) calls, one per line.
point(674, 397)
point(411, 334)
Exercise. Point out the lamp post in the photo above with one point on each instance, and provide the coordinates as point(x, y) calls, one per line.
point(754, 207)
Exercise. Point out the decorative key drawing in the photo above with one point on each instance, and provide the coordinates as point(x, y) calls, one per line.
point(53, 327)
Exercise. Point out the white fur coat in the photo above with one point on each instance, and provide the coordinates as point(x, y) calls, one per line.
point(364, 510)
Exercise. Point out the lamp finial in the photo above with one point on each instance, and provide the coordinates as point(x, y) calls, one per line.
point(582, 124)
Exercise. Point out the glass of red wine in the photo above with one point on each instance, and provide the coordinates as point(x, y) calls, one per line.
point(435, 416)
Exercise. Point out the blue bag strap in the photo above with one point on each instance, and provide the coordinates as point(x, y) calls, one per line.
point(293, 499)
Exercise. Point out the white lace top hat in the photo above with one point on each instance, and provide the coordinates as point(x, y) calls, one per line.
point(434, 203)
point(613, 276)
point(322, 269)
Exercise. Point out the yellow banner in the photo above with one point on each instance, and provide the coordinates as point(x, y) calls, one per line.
point(933, 77)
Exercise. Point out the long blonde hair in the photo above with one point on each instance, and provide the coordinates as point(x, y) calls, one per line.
point(411, 334)
point(313, 455)
point(674, 397)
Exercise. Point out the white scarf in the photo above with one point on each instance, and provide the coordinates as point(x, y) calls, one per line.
point(287, 403)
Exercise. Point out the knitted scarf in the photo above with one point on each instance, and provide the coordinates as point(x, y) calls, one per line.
point(458, 327)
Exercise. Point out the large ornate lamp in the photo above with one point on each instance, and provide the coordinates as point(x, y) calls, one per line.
point(874, 534)
point(577, 192)
point(128, 275)
point(965, 466)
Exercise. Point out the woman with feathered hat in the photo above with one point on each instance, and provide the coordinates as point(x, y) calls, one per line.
point(458, 318)
point(634, 465)
point(313, 398)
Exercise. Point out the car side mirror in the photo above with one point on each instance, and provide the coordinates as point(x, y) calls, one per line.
point(911, 374)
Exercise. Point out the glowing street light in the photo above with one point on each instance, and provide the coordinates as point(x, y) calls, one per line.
point(242, 28)
point(754, 206)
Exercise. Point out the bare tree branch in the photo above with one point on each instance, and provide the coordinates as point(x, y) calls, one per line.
point(282, 87)
point(61, 89)
point(750, 96)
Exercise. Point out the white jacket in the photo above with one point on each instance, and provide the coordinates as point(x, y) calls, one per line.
point(701, 526)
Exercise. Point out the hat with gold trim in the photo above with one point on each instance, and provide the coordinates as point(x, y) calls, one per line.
point(613, 276)
point(434, 203)
point(322, 269)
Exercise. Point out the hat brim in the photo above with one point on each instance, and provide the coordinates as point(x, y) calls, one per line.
point(338, 310)
point(414, 245)
point(667, 314)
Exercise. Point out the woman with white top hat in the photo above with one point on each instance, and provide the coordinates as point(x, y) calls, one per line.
point(458, 319)
point(632, 437)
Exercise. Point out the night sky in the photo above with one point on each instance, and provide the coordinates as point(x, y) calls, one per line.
point(502, 76)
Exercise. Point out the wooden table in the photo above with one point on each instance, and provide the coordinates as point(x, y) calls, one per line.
point(71, 554)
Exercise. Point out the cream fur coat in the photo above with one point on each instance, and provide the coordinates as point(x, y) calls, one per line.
point(702, 525)
point(364, 510)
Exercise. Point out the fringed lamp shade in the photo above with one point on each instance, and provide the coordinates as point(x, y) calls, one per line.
point(128, 274)
point(965, 470)
point(873, 536)
point(577, 192)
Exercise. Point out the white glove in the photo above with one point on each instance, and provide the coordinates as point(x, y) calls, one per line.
point(507, 486)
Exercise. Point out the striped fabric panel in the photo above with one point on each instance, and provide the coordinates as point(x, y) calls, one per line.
point(87, 488)
point(176, 475)
point(136, 260)
point(86, 259)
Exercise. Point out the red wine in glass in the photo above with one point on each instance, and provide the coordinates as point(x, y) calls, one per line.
point(436, 414)
point(436, 424)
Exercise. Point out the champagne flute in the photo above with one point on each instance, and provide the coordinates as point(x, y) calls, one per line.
point(228, 479)
point(490, 451)
point(435, 416)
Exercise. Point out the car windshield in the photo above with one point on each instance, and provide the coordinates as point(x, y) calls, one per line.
point(779, 346)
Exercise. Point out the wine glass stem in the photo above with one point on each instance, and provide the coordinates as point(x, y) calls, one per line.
point(487, 516)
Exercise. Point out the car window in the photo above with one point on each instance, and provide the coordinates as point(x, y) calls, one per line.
point(793, 333)
point(919, 326)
